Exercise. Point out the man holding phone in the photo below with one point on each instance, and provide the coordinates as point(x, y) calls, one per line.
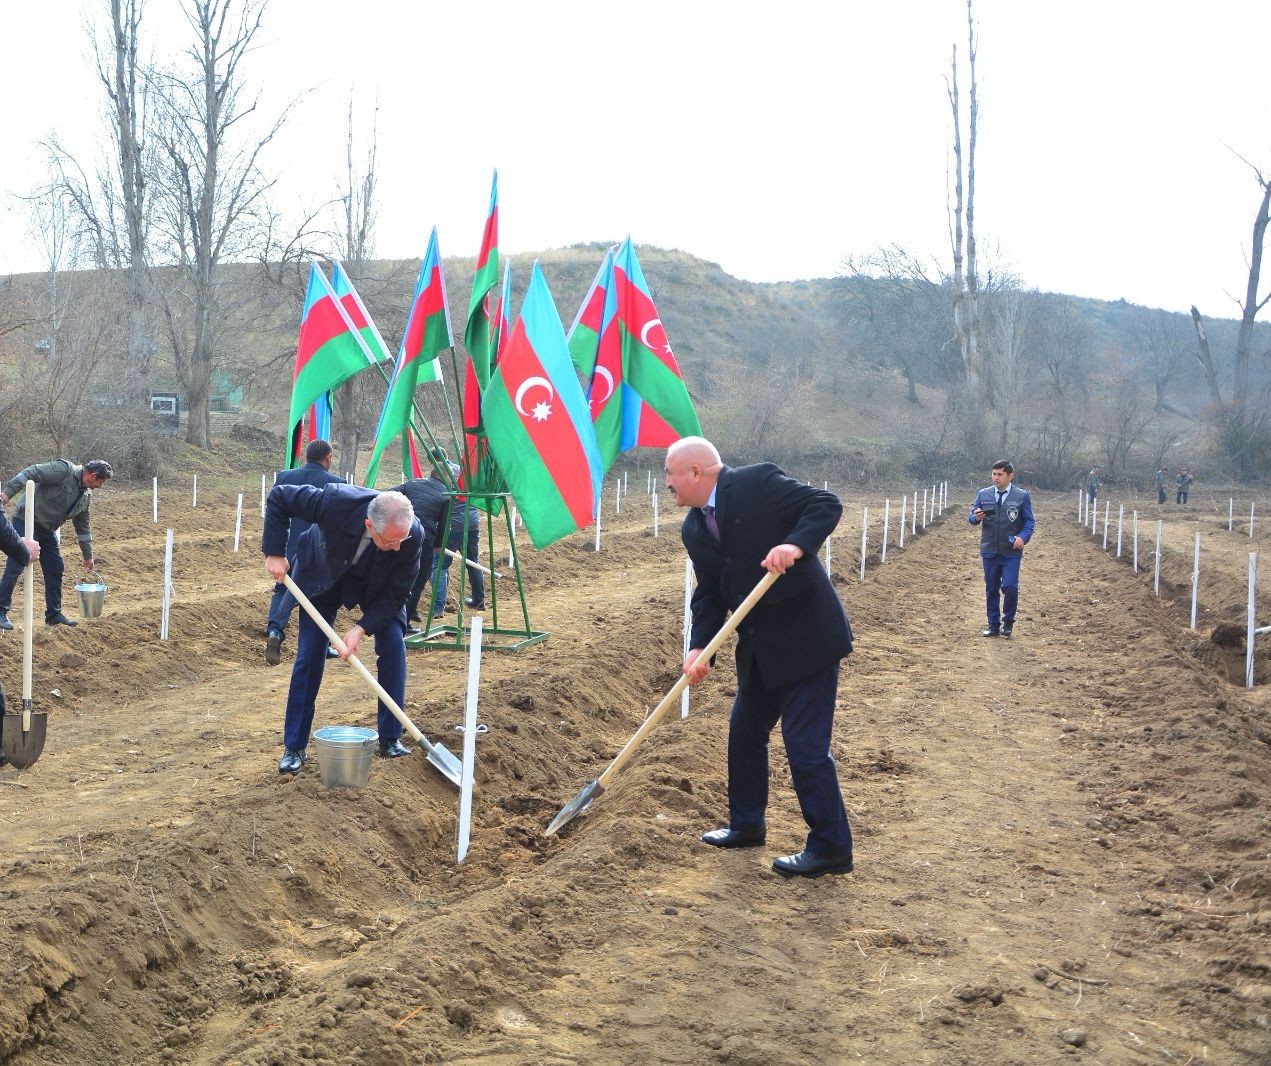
point(1005, 515)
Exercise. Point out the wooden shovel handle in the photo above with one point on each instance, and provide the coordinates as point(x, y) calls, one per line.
point(28, 605)
point(670, 699)
point(338, 642)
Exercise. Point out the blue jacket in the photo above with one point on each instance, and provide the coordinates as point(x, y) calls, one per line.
point(799, 627)
point(310, 474)
point(1013, 519)
point(337, 514)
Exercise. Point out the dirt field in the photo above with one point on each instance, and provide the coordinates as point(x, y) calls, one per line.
point(1062, 840)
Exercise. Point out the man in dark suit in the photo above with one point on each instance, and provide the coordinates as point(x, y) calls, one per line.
point(741, 523)
point(317, 472)
point(362, 550)
point(1005, 514)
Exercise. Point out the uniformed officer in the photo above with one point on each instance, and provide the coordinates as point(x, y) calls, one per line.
point(1005, 515)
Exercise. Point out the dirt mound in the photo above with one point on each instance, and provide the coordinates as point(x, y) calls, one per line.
point(1064, 832)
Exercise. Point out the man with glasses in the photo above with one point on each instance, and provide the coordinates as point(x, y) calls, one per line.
point(361, 550)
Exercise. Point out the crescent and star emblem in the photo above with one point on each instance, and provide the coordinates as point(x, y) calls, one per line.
point(644, 335)
point(602, 373)
point(543, 408)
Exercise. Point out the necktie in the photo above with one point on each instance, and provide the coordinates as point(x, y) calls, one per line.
point(1001, 498)
point(708, 513)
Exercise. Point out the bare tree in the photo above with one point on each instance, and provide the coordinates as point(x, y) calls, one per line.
point(210, 192)
point(1243, 426)
point(966, 281)
point(1008, 334)
point(1162, 343)
point(898, 305)
point(1122, 420)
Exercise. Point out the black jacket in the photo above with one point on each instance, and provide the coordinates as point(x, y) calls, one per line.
point(799, 627)
point(325, 552)
point(11, 542)
point(314, 474)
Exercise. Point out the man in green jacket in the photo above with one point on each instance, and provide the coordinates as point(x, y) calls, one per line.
point(65, 491)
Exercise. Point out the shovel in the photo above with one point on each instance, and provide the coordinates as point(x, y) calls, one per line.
point(582, 801)
point(22, 735)
point(437, 754)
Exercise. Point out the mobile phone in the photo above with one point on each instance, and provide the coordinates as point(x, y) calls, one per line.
point(988, 510)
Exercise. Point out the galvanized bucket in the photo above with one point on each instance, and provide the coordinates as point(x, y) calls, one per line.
point(344, 755)
point(92, 595)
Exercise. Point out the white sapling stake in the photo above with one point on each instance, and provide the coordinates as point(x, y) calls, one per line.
point(649, 488)
point(1195, 578)
point(688, 626)
point(1105, 525)
point(1080, 501)
point(194, 495)
point(263, 490)
point(469, 739)
point(886, 523)
point(904, 503)
point(864, 538)
point(617, 496)
point(1120, 523)
point(924, 508)
point(597, 525)
point(1251, 623)
point(238, 520)
point(155, 500)
point(913, 516)
point(655, 514)
point(1156, 577)
point(1136, 542)
point(167, 587)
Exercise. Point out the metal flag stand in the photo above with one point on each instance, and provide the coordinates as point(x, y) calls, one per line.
point(496, 637)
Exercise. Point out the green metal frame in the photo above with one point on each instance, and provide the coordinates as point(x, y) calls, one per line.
point(494, 637)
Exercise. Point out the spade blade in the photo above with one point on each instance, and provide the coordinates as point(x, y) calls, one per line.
point(575, 807)
point(22, 735)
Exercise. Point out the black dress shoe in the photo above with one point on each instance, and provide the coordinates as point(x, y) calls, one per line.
point(331, 652)
point(393, 749)
point(992, 631)
point(735, 838)
point(291, 761)
point(805, 864)
point(1006, 629)
point(59, 619)
point(4, 620)
point(479, 606)
point(273, 648)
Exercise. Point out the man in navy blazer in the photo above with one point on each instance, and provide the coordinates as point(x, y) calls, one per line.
point(316, 471)
point(742, 522)
point(362, 549)
point(1005, 514)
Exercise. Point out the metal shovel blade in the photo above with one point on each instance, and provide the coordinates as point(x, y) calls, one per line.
point(575, 807)
point(444, 760)
point(22, 735)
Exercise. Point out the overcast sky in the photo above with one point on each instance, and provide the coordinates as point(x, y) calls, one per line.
point(773, 139)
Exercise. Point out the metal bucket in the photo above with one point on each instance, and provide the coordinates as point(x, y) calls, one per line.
point(344, 755)
point(92, 596)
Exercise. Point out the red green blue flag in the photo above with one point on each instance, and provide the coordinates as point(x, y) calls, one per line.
point(477, 333)
point(536, 420)
point(584, 334)
point(637, 394)
point(359, 317)
point(328, 353)
point(426, 336)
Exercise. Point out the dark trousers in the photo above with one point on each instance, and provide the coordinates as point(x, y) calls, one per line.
point(805, 709)
point(426, 563)
point(1181, 497)
point(50, 564)
point(476, 579)
point(281, 604)
point(1160, 495)
point(1001, 586)
point(311, 658)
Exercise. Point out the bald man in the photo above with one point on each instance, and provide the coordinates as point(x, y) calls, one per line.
point(742, 522)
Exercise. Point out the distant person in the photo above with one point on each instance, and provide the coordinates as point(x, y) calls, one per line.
point(428, 497)
point(1093, 483)
point(463, 514)
point(317, 472)
point(742, 522)
point(362, 550)
point(1005, 514)
point(1161, 490)
point(65, 492)
point(21, 550)
point(1184, 484)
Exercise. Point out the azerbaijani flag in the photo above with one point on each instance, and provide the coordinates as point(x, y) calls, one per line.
point(536, 420)
point(637, 395)
point(584, 334)
point(328, 353)
point(476, 334)
point(479, 473)
point(359, 317)
point(427, 334)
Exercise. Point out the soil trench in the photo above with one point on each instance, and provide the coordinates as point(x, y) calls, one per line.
point(1061, 839)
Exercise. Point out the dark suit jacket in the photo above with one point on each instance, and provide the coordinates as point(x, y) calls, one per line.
point(11, 542)
point(428, 496)
point(799, 627)
point(325, 552)
point(310, 474)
